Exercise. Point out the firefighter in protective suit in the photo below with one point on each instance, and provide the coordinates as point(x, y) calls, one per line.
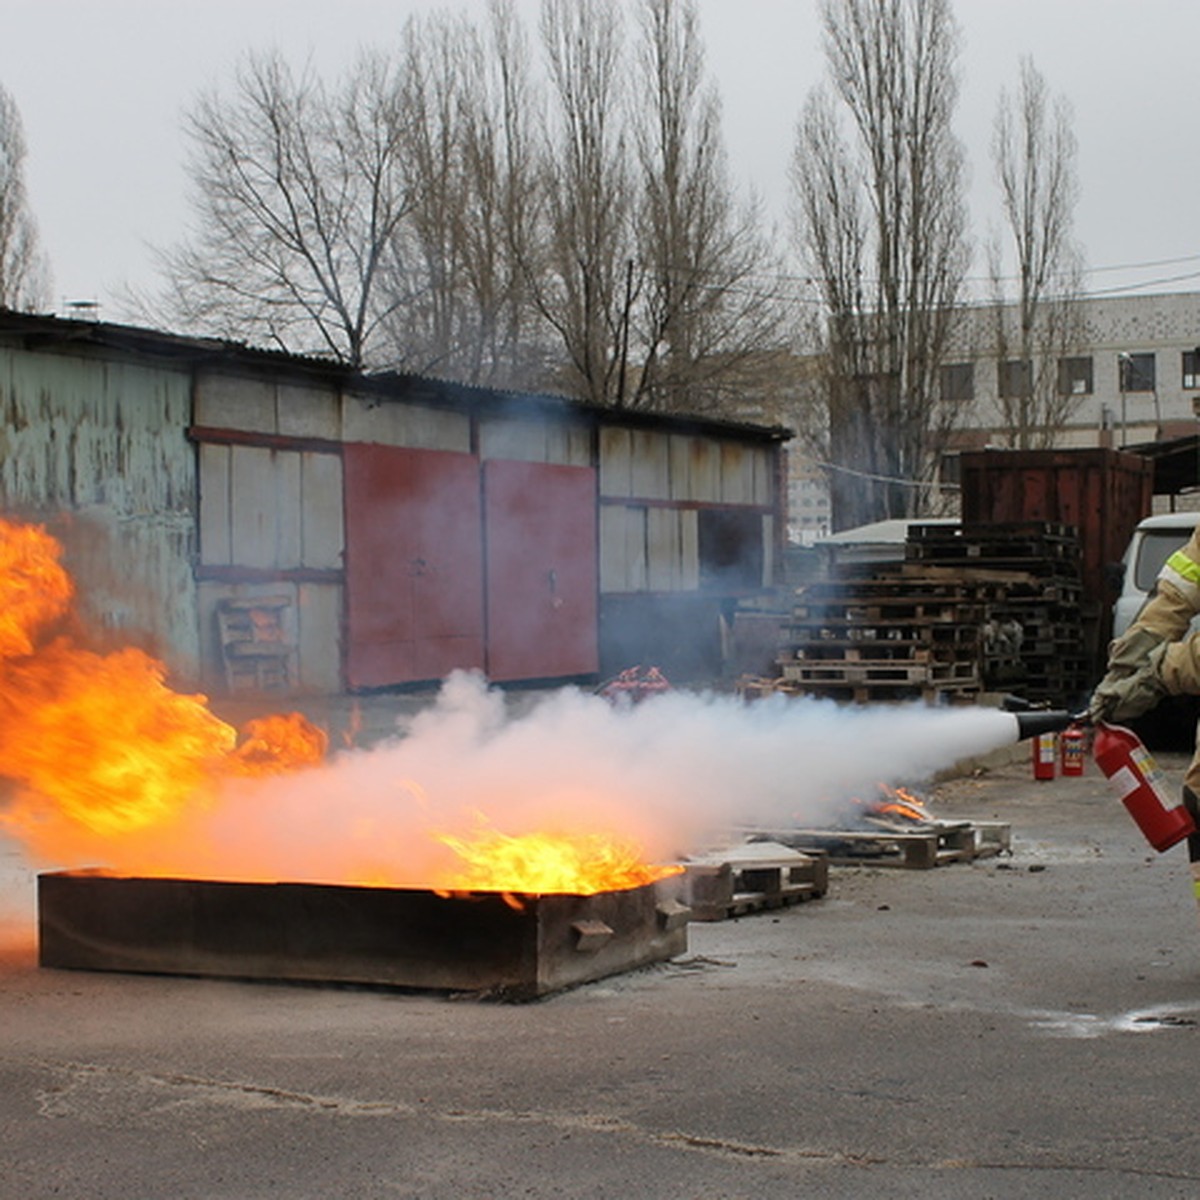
point(1156, 657)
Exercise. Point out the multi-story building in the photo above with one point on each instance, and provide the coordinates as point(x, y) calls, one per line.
point(1128, 375)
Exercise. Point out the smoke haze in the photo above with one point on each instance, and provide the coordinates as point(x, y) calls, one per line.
point(669, 773)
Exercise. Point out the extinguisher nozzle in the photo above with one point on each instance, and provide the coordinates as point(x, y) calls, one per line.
point(1030, 724)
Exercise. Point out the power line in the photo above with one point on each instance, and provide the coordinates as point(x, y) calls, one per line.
point(893, 479)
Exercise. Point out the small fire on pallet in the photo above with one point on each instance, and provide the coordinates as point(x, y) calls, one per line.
point(895, 828)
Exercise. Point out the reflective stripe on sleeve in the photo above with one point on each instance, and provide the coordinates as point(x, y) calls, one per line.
point(1183, 573)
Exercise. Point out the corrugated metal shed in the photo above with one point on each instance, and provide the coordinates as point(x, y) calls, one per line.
point(206, 481)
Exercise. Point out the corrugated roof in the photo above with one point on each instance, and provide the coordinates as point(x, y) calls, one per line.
point(34, 328)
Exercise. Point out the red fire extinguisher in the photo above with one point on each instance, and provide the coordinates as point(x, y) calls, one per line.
point(1140, 786)
point(1073, 742)
point(1045, 755)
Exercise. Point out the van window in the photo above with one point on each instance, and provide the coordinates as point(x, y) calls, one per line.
point(1157, 546)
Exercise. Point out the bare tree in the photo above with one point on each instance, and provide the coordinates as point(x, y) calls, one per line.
point(298, 195)
point(881, 223)
point(1034, 154)
point(471, 166)
point(702, 318)
point(578, 274)
point(24, 272)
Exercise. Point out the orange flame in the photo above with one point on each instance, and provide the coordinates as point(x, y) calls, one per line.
point(540, 863)
point(100, 741)
point(108, 762)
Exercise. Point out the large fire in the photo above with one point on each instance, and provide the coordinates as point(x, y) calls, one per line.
point(105, 762)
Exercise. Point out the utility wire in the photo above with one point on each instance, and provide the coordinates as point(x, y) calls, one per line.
point(911, 483)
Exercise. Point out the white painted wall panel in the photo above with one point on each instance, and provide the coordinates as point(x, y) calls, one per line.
point(308, 412)
point(289, 506)
point(651, 464)
point(689, 550)
point(235, 402)
point(216, 548)
point(319, 626)
point(616, 471)
point(321, 501)
point(663, 540)
point(105, 442)
point(254, 508)
point(415, 426)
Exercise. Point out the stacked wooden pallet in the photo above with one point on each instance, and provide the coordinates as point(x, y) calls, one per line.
point(1029, 577)
point(737, 880)
point(889, 637)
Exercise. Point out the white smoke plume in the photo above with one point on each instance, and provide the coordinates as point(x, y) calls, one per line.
point(667, 773)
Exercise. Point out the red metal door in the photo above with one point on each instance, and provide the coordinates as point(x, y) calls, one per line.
point(414, 564)
point(541, 570)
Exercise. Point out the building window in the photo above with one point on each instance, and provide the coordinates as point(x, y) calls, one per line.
point(1191, 368)
point(1016, 377)
point(731, 548)
point(958, 382)
point(1136, 372)
point(1075, 377)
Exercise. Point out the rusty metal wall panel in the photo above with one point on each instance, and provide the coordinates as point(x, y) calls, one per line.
point(680, 454)
point(541, 570)
point(650, 465)
point(762, 462)
point(737, 473)
point(411, 425)
point(1104, 493)
point(616, 462)
point(705, 470)
point(106, 442)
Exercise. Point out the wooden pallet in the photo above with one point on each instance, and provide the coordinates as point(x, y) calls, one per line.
point(945, 842)
point(882, 672)
point(751, 878)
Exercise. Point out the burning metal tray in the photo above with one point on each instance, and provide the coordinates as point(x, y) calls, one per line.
point(393, 937)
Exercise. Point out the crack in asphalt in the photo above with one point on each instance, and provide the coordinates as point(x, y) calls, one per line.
point(54, 1104)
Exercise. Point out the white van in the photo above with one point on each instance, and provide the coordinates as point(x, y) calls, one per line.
point(1153, 542)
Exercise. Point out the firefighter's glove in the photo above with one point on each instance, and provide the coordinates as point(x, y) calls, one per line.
point(1127, 691)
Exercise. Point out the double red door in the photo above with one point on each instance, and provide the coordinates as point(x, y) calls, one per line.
point(451, 563)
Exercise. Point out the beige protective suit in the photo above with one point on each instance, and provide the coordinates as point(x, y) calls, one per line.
point(1156, 656)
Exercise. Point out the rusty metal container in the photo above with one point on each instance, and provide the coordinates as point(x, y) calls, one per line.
point(1103, 493)
point(391, 937)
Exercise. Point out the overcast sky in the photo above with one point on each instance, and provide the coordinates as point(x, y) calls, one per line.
point(101, 86)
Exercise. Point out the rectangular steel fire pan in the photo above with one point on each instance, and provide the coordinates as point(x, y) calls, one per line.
point(393, 937)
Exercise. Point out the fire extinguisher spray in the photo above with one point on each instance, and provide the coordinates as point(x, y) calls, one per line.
point(1140, 786)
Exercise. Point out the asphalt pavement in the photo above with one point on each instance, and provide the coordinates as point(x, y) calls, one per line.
point(1021, 1026)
